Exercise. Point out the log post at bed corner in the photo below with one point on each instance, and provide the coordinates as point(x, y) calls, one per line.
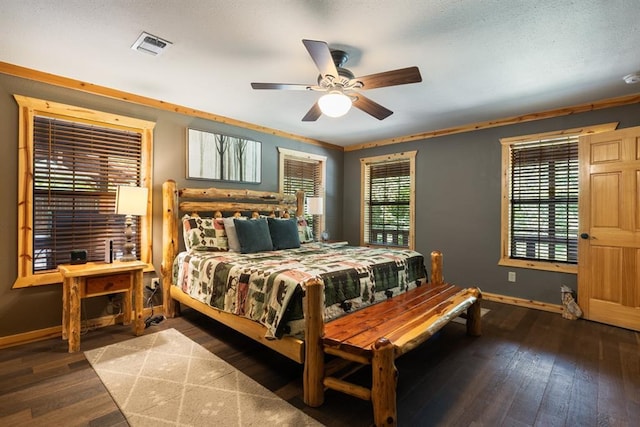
point(313, 381)
point(169, 243)
point(299, 203)
point(436, 268)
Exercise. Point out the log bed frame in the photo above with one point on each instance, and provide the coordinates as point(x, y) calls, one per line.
point(374, 336)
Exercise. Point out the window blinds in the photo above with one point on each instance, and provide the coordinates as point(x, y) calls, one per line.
point(301, 175)
point(544, 200)
point(305, 175)
point(76, 169)
point(387, 203)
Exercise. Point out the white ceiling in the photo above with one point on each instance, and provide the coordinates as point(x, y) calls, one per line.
point(479, 59)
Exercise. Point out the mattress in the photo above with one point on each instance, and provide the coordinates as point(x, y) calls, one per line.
point(268, 287)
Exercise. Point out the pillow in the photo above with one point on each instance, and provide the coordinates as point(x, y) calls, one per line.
point(253, 235)
point(305, 235)
point(232, 235)
point(203, 233)
point(284, 233)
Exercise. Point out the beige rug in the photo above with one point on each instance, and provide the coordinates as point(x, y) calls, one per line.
point(165, 379)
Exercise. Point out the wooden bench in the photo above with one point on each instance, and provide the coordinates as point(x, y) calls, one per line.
point(378, 334)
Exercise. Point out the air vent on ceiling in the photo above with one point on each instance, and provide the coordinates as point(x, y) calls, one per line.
point(632, 78)
point(148, 43)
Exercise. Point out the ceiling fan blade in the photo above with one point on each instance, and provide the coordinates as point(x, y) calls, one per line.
point(321, 55)
point(371, 107)
point(402, 76)
point(313, 114)
point(281, 86)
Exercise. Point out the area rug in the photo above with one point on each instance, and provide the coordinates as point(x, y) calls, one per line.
point(165, 379)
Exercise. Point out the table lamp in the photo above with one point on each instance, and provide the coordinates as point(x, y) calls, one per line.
point(315, 206)
point(130, 201)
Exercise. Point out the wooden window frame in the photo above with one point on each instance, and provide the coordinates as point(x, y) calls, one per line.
point(284, 154)
point(507, 145)
point(28, 108)
point(365, 163)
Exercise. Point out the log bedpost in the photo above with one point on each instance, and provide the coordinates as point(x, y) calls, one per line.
point(169, 243)
point(383, 384)
point(436, 267)
point(313, 382)
point(299, 203)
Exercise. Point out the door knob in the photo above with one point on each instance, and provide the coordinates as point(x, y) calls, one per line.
point(584, 236)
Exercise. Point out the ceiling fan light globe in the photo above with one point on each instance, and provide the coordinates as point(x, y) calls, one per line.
point(334, 104)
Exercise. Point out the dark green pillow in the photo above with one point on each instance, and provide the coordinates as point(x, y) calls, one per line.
point(253, 235)
point(284, 233)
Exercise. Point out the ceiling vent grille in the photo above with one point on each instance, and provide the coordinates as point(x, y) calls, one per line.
point(632, 78)
point(148, 43)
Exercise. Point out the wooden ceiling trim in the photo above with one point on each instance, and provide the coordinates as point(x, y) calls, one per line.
point(581, 108)
point(52, 79)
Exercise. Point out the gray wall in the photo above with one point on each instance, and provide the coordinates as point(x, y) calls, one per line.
point(24, 310)
point(458, 196)
point(457, 183)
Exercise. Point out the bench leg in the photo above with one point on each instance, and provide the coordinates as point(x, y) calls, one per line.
point(313, 380)
point(474, 319)
point(384, 381)
point(313, 377)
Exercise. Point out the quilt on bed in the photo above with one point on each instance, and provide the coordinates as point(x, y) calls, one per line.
point(268, 286)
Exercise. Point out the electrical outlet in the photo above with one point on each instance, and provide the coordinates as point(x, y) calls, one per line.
point(511, 276)
point(155, 283)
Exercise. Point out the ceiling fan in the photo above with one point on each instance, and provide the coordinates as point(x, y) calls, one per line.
point(342, 86)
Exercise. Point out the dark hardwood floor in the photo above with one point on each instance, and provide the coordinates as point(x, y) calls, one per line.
point(529, 368)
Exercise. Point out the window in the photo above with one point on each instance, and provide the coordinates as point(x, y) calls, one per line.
point(304, 171)
point(540, 200)
point(388, 198)
point(71, 161)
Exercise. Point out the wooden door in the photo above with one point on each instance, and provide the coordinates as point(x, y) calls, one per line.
point(609, 211)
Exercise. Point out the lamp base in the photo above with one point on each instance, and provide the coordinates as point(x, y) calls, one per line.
point(128, 246)
point(128, 257)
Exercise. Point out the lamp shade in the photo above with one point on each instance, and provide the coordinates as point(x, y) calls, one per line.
point(315, 205)
point(131, 200)
point(334, 104)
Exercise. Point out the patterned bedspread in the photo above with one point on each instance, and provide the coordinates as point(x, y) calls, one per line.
point(268, 286)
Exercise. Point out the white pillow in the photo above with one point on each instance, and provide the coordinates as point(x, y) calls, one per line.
point(232, 235)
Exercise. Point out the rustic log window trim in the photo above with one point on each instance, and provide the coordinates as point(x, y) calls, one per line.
point(540, 199)
point(388, 200)
point(71, 159)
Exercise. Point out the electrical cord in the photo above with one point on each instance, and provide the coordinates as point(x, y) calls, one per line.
point(86, 326)
point(152, 320)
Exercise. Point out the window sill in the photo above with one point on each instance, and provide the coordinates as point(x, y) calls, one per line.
point(539, 265)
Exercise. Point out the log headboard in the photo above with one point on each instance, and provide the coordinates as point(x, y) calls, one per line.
point(216, 202)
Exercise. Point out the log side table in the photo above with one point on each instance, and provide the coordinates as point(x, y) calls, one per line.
point(94, 279)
